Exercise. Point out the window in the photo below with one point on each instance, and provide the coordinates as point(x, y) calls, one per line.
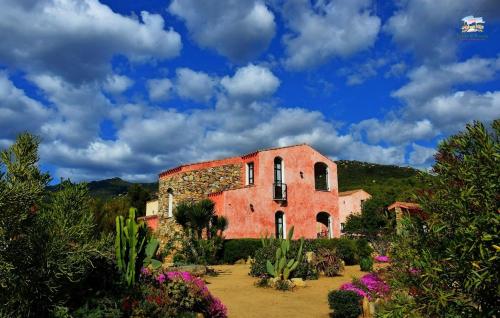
point(279, 219)
point(278, 170)
point(170, 193)
point(321, 176)
point(279, 187)
point(342, 227)
point(250, 173)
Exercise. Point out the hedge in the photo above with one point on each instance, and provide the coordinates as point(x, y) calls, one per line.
point(237, 249)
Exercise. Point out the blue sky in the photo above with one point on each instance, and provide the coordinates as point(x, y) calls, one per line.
point(131, 88)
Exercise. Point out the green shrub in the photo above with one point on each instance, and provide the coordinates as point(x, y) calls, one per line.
point(366, 264)
point(304, 270)
point(234, 250)
point(348, 249)
point(344, 303)
point(363, 249)
point(328, 262)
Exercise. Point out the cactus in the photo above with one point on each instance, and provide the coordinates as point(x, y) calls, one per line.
point(266, 241)
point(283, 267)
point(133, 248)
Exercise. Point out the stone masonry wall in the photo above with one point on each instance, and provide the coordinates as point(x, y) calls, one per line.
point(198, 184)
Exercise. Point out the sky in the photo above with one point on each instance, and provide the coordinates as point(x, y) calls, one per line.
point(131, 88)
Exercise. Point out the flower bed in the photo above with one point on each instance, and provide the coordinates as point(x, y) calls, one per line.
point(170, 294)
point(382, 259)
point(370, 286)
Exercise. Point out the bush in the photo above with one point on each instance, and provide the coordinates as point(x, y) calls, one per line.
point(327, 261)
point(363, 249)
point(344, 303)
point(304, 270)
point(366, 264)
point(349, 250)
point(234, 250)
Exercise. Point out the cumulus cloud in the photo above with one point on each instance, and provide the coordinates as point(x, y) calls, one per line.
point(239, 30)
point(358, 74)
point(117, 84)
point(396, 131)
point(251, 82)
point(421, 156)
point(76, 39)
point(327, 29)
point(159, 89)
point(197, 86)
point(429, 28)
point(18, 111)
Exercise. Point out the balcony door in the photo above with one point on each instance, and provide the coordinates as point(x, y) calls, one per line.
point(279, 187)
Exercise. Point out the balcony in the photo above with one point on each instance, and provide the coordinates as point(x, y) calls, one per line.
point(279, 191)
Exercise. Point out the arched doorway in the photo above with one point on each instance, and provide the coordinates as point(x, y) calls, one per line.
point(324, 225)
point(280, 225)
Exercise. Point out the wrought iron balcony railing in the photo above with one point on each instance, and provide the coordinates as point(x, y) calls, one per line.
point(279, 191)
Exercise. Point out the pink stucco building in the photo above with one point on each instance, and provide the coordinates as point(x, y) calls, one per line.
point(266, 191)
point(351, 202)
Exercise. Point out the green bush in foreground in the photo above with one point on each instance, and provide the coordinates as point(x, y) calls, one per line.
point(344, 303)
point(366, 264)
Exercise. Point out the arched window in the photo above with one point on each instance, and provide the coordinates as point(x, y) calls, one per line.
point(170, 193)
point(279, 221)
point(321, 176)
point(279, 187)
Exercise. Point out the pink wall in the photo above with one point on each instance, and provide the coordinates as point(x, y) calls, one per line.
point(351, 203)
point(302, 206)
point(152, 221)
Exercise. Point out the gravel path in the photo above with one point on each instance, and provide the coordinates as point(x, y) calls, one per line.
point(236, 289)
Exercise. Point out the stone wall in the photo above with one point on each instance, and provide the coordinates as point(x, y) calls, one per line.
point(198, 184)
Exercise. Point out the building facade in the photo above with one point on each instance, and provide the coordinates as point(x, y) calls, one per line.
point(351, 202)
point(266, 191)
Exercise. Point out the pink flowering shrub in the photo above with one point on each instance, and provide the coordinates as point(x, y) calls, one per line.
point(170, 294)
point(370, 286)
point(382, 259)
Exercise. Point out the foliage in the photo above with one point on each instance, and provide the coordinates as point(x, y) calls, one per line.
point(134, 247)
point(304, 270)
point(48, 246)
point(236, 249)
point(449, 260)
point(138, 196)
point(283, 265)
point(105, 212)
point(366, 264)
point(283, 285)
point(328, 262)
point(173, 294)
point(344, 303)
point(196, 218)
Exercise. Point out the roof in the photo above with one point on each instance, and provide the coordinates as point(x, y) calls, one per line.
point(404, 205)
point(346, 193)
point(251, 154)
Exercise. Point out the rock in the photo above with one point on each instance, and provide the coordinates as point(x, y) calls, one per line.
point(240, 262)
point(298, 282)
point(250, 261)
point(309, 256)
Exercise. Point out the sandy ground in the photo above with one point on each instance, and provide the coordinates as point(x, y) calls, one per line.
point(236, 289)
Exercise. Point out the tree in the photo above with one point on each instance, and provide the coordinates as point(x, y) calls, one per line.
point(450, 261)
point(138, 196)
point(47, 241)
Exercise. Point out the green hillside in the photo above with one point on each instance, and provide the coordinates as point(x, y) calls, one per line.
point(108, 188)
point(393, 182)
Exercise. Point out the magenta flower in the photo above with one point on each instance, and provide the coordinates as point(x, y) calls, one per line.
point(217, 308)
point(145, 271)
point(415, 271)
point(357, 290)
point(382, 259)
point(375, 285)
point(161, 278)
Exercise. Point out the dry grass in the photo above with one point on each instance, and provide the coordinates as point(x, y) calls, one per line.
point(237, 291)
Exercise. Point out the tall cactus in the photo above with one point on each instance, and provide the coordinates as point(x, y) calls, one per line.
point(133, 247)
point(283, 267)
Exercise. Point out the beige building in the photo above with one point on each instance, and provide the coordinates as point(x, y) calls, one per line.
point(351, 202)
point(152, 207)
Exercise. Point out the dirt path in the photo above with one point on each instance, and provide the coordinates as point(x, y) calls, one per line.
point(236, 289)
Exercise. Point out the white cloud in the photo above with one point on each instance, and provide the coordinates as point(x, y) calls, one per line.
point(159, 89)
point(197, 86)
point(18, 112)
point(324, 30)
point(421, 156)
point(251, 82)
point(239, 30)
point(76, 39)
point(117, 84)
point(358, 74)
point(396, 131)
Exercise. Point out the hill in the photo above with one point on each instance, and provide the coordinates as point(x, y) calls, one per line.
point(390, 181)
point(108, 188)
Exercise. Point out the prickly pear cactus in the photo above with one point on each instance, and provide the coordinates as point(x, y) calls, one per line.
point(283, 267)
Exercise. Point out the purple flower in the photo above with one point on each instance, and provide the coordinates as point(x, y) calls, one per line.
point(357, 290)
point(375, 285)
point(145, 271)
point(161, 278)
point(382, 259)
point(217, 309)
point(415, 271)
